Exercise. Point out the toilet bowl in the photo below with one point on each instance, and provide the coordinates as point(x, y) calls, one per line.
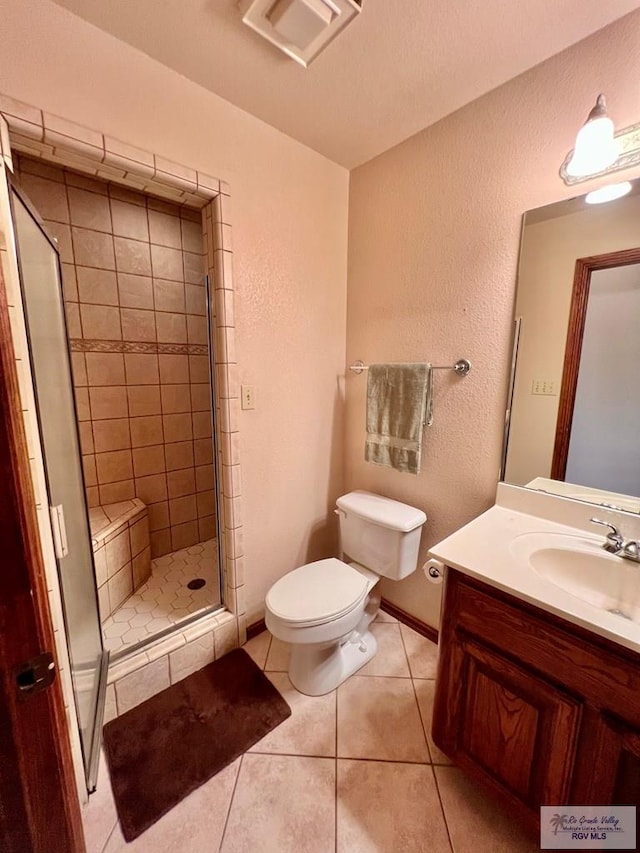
point(323, 609)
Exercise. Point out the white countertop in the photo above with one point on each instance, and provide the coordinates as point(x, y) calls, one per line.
point(482, 550)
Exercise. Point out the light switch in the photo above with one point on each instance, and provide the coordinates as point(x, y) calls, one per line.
point(544, 387)
point(248, 396)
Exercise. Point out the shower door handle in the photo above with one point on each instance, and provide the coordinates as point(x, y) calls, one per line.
point(59, 530)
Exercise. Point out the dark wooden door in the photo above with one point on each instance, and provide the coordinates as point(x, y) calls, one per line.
point(507, 726)
point(573, 349)
point(39, 810)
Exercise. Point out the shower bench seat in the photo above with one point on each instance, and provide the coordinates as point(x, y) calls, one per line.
point(121, 551)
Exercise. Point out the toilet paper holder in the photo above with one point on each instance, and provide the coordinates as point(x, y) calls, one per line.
point(434, 571)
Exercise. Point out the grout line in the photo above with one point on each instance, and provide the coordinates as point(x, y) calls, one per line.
point(336, 773)
point(113, 242)
point(253, 751)
point(233, 794)
point(335, 806)
point(422, 722)
point(404, 646)
point(377, 675)
point(264, 668)
point(386, 761)
point(444, 814)
point(113, 829)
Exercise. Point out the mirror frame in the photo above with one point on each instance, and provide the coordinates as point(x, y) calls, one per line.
point(573, 347)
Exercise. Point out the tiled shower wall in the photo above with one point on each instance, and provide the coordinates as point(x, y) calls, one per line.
point(135, 295)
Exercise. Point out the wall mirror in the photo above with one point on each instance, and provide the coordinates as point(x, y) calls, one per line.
point(573, 425)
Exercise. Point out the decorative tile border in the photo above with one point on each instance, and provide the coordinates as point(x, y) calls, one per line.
point(89, 345)
point(56, 140)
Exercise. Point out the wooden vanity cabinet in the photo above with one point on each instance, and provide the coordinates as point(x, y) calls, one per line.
point(541, 711)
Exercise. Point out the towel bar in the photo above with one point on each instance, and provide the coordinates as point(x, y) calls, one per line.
point(461, 367)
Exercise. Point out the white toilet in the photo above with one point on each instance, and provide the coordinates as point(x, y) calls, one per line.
point(324, 609)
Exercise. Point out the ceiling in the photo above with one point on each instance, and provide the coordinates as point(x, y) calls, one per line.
point(401, 66)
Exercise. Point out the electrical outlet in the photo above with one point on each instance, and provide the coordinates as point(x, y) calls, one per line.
point(248, 396)
point(544, 387)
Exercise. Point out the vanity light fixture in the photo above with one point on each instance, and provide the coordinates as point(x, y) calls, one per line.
point(299, 28)
point(610, 192)
point(596, 147)
point(599, 150)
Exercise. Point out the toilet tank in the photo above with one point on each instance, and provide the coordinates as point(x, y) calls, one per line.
point(381, 534)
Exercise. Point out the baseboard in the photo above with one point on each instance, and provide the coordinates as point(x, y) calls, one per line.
point(401, 615)
point(409, 620)
point(256, 628)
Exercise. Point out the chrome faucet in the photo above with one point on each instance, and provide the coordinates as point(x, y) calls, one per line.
point(631, 550)
point(615, 543)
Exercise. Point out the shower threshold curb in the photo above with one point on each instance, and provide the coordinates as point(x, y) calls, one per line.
point(165, 645)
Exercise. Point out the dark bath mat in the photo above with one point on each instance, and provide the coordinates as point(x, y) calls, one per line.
point(165, 748)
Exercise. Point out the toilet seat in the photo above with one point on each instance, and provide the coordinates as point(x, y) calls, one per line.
point(317, 593)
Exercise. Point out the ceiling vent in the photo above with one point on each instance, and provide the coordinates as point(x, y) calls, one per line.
point(300, 28)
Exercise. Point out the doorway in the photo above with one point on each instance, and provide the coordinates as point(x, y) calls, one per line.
point(598, 396)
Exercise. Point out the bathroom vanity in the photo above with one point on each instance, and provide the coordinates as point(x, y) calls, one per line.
point(538, 688)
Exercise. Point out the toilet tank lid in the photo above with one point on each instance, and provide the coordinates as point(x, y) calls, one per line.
point(382, 511)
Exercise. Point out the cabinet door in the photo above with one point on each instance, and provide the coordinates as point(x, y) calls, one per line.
point(611, 771)
point(502, 722)
point(626, 790)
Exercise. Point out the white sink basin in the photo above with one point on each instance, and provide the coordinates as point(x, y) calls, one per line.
point(580, 566)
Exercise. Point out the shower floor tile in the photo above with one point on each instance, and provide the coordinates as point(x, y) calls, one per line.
point(165, 598)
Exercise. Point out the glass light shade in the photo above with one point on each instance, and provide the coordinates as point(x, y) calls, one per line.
point(595, 148)
point(610, 192)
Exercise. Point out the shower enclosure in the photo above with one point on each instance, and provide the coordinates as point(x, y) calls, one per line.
point(119, 327)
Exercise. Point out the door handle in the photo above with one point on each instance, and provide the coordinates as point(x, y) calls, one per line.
point(59, 531)
point(35, 675)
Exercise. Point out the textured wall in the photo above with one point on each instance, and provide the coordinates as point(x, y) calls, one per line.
point(290, 237)
point(434, 227)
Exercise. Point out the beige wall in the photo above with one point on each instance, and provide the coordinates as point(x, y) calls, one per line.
point(434, 228)
point(545, 284)
point(290, 234)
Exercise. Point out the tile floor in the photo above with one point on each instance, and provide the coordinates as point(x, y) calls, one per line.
point(165, 598)
point(355, 771)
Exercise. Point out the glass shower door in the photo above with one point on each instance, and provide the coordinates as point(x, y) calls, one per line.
point(44, 310)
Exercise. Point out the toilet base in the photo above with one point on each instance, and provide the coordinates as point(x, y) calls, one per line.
point(318, 669)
